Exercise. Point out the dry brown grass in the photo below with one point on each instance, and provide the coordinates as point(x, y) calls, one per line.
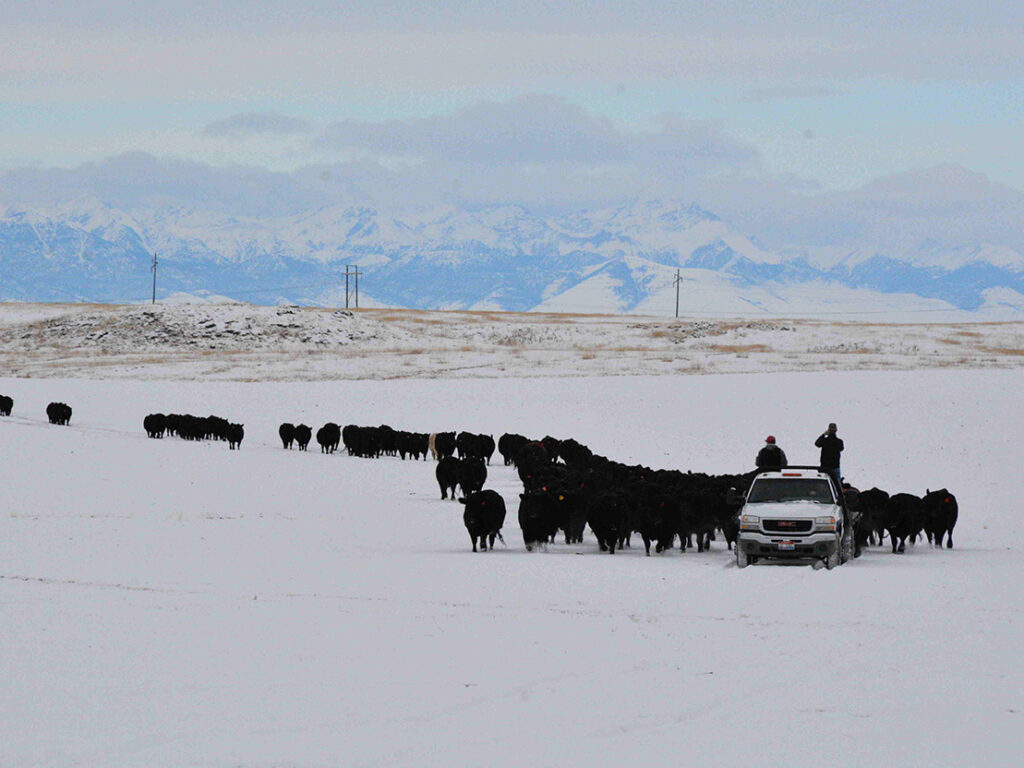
point(738, 349)
point(1005, 351)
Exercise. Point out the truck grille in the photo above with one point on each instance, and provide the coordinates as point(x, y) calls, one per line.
point(788, 526)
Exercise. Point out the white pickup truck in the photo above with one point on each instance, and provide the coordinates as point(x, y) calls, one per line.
point(794, 513)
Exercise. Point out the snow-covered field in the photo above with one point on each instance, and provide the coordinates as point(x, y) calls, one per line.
point(177, 604)
point(242, 342)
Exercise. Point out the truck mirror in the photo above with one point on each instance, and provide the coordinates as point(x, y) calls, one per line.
point(733, 498)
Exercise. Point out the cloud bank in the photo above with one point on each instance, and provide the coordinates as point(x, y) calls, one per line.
point(248, 124)
point(549, 155)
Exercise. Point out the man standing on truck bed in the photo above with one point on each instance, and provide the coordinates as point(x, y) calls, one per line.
point(831, 446)
point(770, 458)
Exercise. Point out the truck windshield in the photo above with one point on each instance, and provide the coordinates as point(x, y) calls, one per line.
point(785, 489)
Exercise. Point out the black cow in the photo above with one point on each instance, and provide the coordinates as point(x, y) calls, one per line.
point(551, 446)
point(59, 413)
point(486, 446)
point(940, 514)
point(387, 440)
point(656, 519)
point(235, 433)
point(532, 454)
point(608, 519)
point(444, 444)
point(573, 453)
point(303, 434)
point(472, 475)
point(698, 516)
point(904, 519)
point(328, 436)
point(447, 474)
point(538, 518)
point(287, 434)
point(472, 446)
point(871, 526)
point(484, 516)
point(155, 425)
point(367, 442)
point(571, 503)
point(509, 445)
point(6, 405)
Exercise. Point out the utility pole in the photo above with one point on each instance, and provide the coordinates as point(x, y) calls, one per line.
point(154, 278)
point(678, 280)
point(353, 272)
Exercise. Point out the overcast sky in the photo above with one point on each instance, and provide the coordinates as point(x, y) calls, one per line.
point(811, 95)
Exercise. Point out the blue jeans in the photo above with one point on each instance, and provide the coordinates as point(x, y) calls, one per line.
point(836, 475)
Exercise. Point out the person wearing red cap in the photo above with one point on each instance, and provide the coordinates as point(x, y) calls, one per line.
point(771, 458)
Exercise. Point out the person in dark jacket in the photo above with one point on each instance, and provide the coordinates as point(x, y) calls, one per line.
point(770, 458)
point(831, 446)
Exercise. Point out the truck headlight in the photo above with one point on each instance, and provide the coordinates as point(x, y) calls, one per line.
point(825, 523)
point(750, 523)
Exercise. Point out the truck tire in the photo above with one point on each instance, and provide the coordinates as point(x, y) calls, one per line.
point(833, 560)
point(742, 560)
point(846, 546)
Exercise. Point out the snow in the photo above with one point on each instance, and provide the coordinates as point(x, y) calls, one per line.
point(173, 603)
point(243, 342)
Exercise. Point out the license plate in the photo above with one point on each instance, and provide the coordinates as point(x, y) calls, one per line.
point(787, 545)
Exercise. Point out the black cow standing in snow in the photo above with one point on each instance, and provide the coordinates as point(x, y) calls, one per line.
point(235, 433)
point(447, 474)
point(509, 445)
point(59, 413)
point(287, 434)
point(608, 519)
point(940, 515)
point(904, 519)
point(472, 475)
point(6, 405)
point(484, 516)
point(328, 436)
point(155, 425)
point(871, 525)
point(538, 518)
point(303, 434)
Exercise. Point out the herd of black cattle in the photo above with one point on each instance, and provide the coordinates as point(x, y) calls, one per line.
point(189, 427)
point(567, 487)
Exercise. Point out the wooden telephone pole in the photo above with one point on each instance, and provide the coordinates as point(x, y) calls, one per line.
point(154, 277)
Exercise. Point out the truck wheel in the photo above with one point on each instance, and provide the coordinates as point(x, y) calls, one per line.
point(742, 561)
point(846, 546)
point(832, 560)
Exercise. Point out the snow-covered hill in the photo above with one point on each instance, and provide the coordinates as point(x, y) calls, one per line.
point(245, 342)
point(622, 259)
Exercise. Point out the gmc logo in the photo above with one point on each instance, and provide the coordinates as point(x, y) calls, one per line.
point(787, 524)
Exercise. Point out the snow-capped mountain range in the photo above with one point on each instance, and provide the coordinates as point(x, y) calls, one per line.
point(621, 259)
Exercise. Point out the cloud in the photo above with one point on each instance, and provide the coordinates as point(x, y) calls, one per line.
point(789, 93)
point(947, 205)
point(254, 124)
point(541, 131)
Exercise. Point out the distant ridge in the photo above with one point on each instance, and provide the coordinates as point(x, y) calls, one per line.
point(618, 259)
